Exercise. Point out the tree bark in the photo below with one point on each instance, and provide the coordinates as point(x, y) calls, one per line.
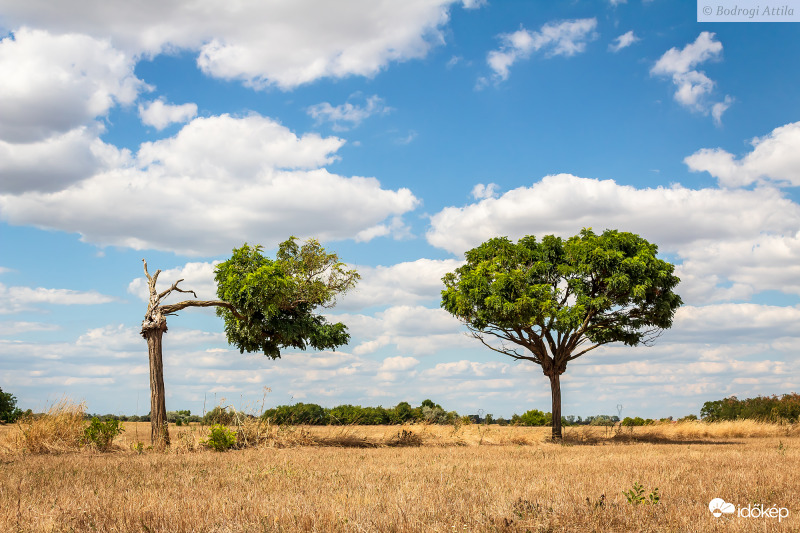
point(555, 389)
point(159, 431)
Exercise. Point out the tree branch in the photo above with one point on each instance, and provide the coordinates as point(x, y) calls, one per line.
point(152, 278)
point(175, 288)
point(174, 308)
point(589, 349)
point(511, 353)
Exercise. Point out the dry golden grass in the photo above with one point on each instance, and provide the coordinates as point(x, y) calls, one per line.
point(473, 478)
point(59, 430)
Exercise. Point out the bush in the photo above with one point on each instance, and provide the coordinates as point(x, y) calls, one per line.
point(299, 413)
point(534, 417)
point(638, 421)
point(220, 438)
point(220, 415)
point(101, 434)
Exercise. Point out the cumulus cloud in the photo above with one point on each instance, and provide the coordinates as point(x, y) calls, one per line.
point(347, 115)
point(406, 283)
point(56, 83)
point(730, 323)
point(248, 169)
point(775, 157)
point(54, 87)
point(693, 87)
point(197, 276)
point(160, 114)
point(265, 44)
point(562, 204)
point(55, 163)
point(481, 191)
point(623, 41)
point(17, 299)
point(565, 38)
point(410, 329)
point(747, 237)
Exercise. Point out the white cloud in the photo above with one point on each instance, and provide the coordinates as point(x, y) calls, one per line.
point(735, 323)
point(160, 114)
point(775, 157)
point(563, 204)
point(265, 44)
point(197, 277)
point(394, 368)
point(405, 283)
point(249, 169)
point(410, 329)
point(16, 299)
point(347, 115)
point(56, 162)
point(692, 86)
point(15, 328)
point(481, 191)
point(56, 83)
point(565, 38)
point(623, 41)
point(746, 237)
point(395, 228)
point(719, 108)
point(737, 268)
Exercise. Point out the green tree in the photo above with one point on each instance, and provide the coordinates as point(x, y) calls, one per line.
point(267, 305)
point(9, 411)
point(553, 301)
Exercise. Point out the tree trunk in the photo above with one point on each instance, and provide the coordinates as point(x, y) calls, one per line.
point(159, 431)
point(555, 389)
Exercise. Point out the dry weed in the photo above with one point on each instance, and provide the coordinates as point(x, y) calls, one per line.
point(58, 430)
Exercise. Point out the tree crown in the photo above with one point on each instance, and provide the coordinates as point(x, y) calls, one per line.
point(553, 295)
point(276, 299)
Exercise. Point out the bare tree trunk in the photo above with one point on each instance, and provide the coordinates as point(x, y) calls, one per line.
point(159, 431)
point(555, 389)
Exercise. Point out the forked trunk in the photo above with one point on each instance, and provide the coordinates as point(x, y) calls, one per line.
point(159, 431)
point(555, 389)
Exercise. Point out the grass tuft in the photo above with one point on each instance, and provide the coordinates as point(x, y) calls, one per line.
point(59, 430)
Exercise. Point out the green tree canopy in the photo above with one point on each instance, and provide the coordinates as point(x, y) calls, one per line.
point(273, 303)
point(554, 300)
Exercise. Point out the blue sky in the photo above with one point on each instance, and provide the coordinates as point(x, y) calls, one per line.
point(400, 134)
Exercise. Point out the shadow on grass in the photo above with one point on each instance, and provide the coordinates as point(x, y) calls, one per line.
point(621, 438)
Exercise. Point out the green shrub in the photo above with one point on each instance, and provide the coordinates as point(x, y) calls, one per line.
point(219, 415)
point(220, 438)
point(636, 495)
point(101, 434)
point(534, 417)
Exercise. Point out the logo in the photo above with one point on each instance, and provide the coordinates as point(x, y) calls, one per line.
point(718, 506)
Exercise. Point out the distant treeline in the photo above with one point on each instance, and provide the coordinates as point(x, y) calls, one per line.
point(785, 408)
point(343, 415)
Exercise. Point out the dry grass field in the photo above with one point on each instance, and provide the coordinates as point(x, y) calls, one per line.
point(430, 479)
